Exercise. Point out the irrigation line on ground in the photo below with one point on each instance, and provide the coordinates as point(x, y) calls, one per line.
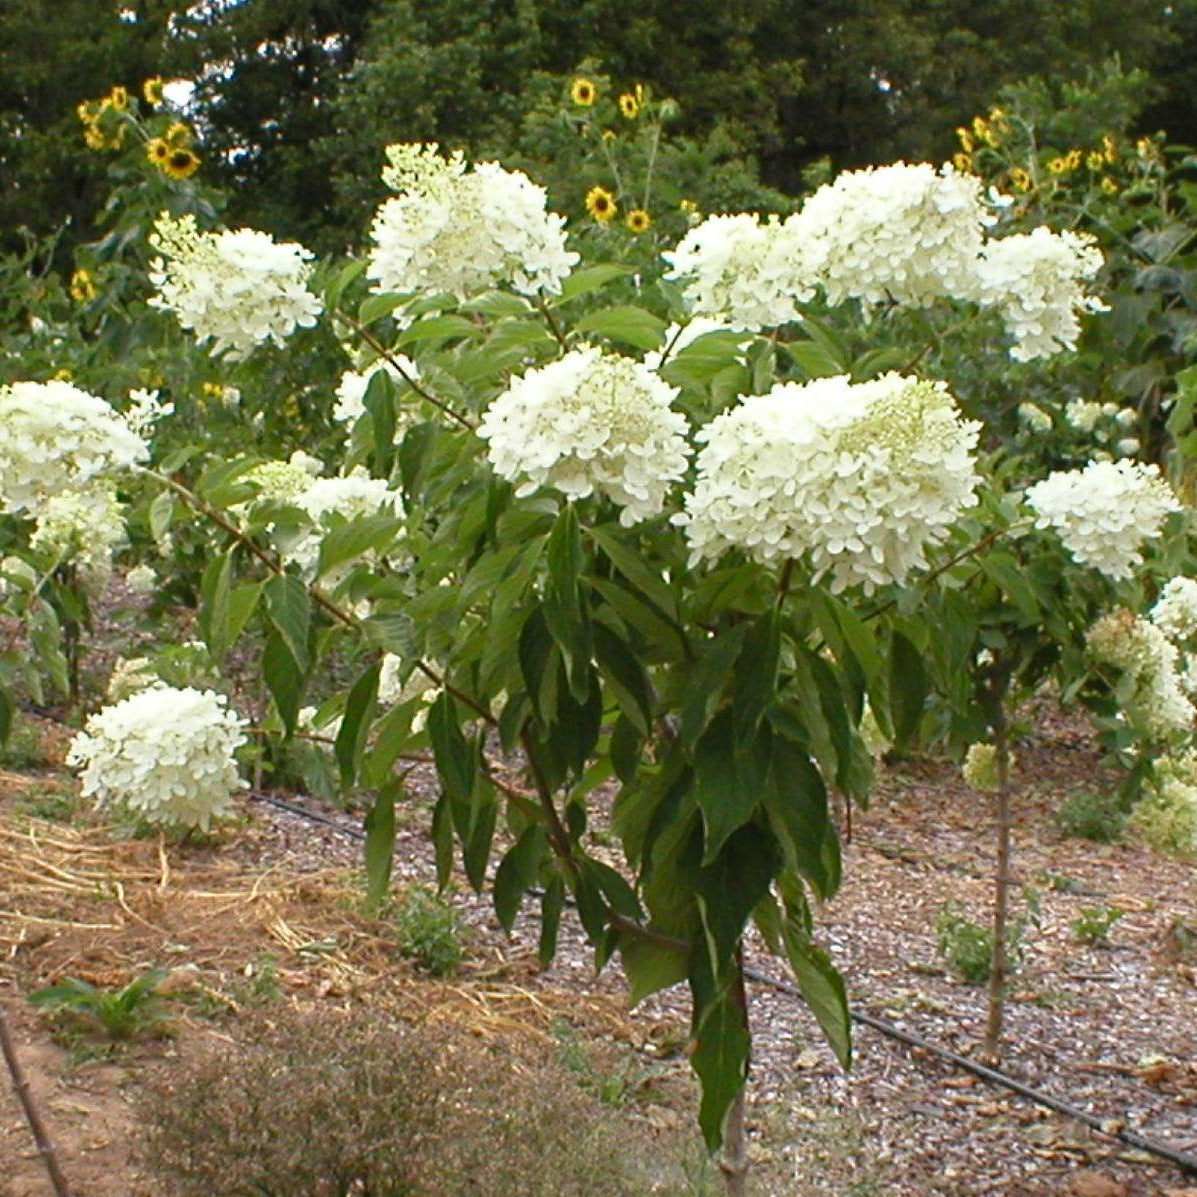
point(1185, 1162)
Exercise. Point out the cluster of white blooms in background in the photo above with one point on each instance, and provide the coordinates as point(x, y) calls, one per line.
point(451, 229)
point(237, 288)
point(329, 500)
point(902, 233)
point(590, 421)
point(1036, 282)
point(861, 479)
point(980, 768)
point(57, 437)
point(164, 754)
point(738, 270)
point(128, 676)
point(1105, 512)
point(1175, 611)
point(1154, 691)
point(142, 580)
point(1034, 418)
point(392, 690)
point(1167, 818)
point(84, 526)
point(351, 390)
point(905, 234)
point(144, 411)
point(284, 481)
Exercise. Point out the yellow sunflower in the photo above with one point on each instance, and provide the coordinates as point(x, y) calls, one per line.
point(152, 90)
point(180, 164)
point(600, 203)
point(629, 105)
point(157, 150)
point(118, 97)
point(638, 220)
point(1020, 178)
point(583, 93)
point(178, 136)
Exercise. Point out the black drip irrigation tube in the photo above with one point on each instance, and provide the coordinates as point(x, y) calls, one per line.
point(1185, 1162)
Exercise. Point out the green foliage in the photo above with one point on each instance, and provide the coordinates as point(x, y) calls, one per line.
point(428, 931)
point(965, 945)
point(623, 1083)
point(1092, 815)
point(1093, 924)
point(135, 1010)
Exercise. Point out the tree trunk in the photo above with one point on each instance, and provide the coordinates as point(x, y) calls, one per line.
point(1001, 896)
point(734, 1161)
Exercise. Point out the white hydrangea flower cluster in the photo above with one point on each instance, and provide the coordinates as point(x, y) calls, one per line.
point(164, 754)
point(284, 481)
point(980, 767)
point(903, 233)
point(1036, 282)
point(1175, 611)
point(142, 580)
point(590, 421)
point(351, 390)
point(1105, 512)
point(1150, 662)
point(1166, 820)
point(329, 500)
point(237, 288)
point(861, 479)
point(57, 437)
point(738, 270)
point(460, 231)
point(84, 526)
point(1034, 418)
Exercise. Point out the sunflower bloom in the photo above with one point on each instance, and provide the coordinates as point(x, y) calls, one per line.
point(1020, 179)
point(638, 220)
point(94, 139)
point(1109, 185)
point(583, 93)
point(629, 105)
point(119, 98)
point(157, 151)
point(178, 136)
point(600, 203)
point(82, 288)
point(180, 164)
point(152, 90)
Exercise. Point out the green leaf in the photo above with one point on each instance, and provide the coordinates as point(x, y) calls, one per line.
point(1005, 572)
point(639, 576)
point(364, 534)
point(162, 512)
point(380, 844)
point(379, 401)
point(242, 603)
point(393, 632)
point(590, 279)
point(289, 609)
point(706, 682)
point(456, 761)
point(374, 307)
point(625, 324)
point(907, 688)
point(650, 967)
point(283, 677)
point(720, 1058)
point(813, 360)
point(729, 780)
point(551, 905)
point(215, 585)
point(823, 988)
point(442, 840)
point(730, 888)
point(518, 872)
point(756, 674)
point(625, 676)
point(355, 723)
point(478, 834)
point(796, 802)
point(438, 328)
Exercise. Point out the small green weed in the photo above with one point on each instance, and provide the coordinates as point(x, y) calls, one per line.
point(968, 946)
point(23, 748)
point(1093, 924)
point(127, 1013)
point(428, 931)
point(1060, 883)
point(50, 802)
point(622, 1085)
point(1091, 815)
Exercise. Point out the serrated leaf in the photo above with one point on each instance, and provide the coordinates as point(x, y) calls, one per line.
point(438, 328)
point(374, 307)
point(517, 873)
point(729, 780)
point(363, 534)
point(283, 678)
point(355, 723)
point(289, 609)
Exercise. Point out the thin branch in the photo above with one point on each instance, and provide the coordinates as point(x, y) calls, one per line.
point(384, 353)
point(551, 320)
point(20, 1083)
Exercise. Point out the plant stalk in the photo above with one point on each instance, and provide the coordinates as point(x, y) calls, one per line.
point(734, 1160)
point(1001, 896)
point(20, 1083)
